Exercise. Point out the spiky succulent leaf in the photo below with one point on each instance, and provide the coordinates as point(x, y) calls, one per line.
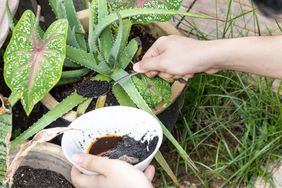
point(114, 54)
point(135, 96)
point(93, 20)
point(127, 13)
point(128, 53)
point(62, 108)
point(154, 4)
point(101, 77)
point(65, 9)
point(154, 90)
point(87, 60)
point(74, 24)
point(122, 97)
point(5, 134)
point(33, 65)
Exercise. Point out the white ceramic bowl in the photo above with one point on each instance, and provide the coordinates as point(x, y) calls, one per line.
point(118, 120)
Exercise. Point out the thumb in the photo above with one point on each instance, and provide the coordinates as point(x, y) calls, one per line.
point(92, 163)
point(148, 64)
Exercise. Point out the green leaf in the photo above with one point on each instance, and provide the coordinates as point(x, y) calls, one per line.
point(75, 73)
point(127, 13)
point(165, 166)
point(33, 65)
point(93, 20)
point(5, 134)
point(127, 24)
point(75, 23)
point(81, 109)
point(154, 90)
point(122, 97)
point(62, 108)
point(100, 103)
point(132, 92)
point(114, 54)
point(106, 38)
point(154, 4)
point(101, 77)
point(87, 60)
point(128, 53)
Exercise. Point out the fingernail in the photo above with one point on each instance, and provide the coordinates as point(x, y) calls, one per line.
point(136, 67)
point(77, 158)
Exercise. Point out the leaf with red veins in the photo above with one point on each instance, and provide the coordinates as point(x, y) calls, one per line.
point(34, 65)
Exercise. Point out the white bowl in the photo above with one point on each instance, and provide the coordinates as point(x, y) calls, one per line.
point(118, 120)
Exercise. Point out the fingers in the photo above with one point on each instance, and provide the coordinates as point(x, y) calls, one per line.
point(92, 163)
point(79, 180)
point(150, 172)
point(148, 64)
point(152, 74)
point(212, 71)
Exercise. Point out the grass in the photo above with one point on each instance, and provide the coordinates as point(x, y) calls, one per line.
point(231, 127)
point(231, 123)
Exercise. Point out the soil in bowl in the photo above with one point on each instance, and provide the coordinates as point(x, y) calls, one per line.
point(27, 177)
point(124, 148)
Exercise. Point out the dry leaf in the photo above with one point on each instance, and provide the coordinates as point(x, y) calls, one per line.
point(4, 21)
point(4, 101)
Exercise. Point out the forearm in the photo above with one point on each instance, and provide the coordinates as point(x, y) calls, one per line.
point(258, 55)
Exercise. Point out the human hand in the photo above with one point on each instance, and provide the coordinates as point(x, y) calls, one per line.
point(176, 56)
point(112, 173)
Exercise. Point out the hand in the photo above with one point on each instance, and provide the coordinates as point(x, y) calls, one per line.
point(175, 56)
point(112, 173)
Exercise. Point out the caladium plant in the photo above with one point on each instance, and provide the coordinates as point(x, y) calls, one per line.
point(34, 59)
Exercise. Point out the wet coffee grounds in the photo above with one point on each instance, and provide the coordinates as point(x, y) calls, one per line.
point(27, 177)
point(124, 148)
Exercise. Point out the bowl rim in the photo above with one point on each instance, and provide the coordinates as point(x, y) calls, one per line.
point(138, 165)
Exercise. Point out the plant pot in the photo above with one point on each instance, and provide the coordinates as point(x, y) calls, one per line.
point(167, 115)
point(47, 156)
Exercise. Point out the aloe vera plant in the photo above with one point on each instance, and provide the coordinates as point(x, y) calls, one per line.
point(109, 53)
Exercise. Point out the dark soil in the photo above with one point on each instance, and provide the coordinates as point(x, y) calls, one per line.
point(27, 177)
point(124, 148)
point(93, 89)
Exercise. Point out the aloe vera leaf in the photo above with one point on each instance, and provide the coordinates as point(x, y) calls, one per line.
point(128, 53)
point(75, 23)
point(81, 109)
point(100, 103)
point(122, 97)
point(132, 92)
point(5, 134)
point(114, 54)
point(62, 108)
point(165, 166)
point(75, 73)
point(105, 22)
point(101, 77)
point(86, 59)
point(106, 37)
point(33, 65)
point(93, 20)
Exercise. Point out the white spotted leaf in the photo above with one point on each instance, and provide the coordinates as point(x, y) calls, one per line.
point(33, 64)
